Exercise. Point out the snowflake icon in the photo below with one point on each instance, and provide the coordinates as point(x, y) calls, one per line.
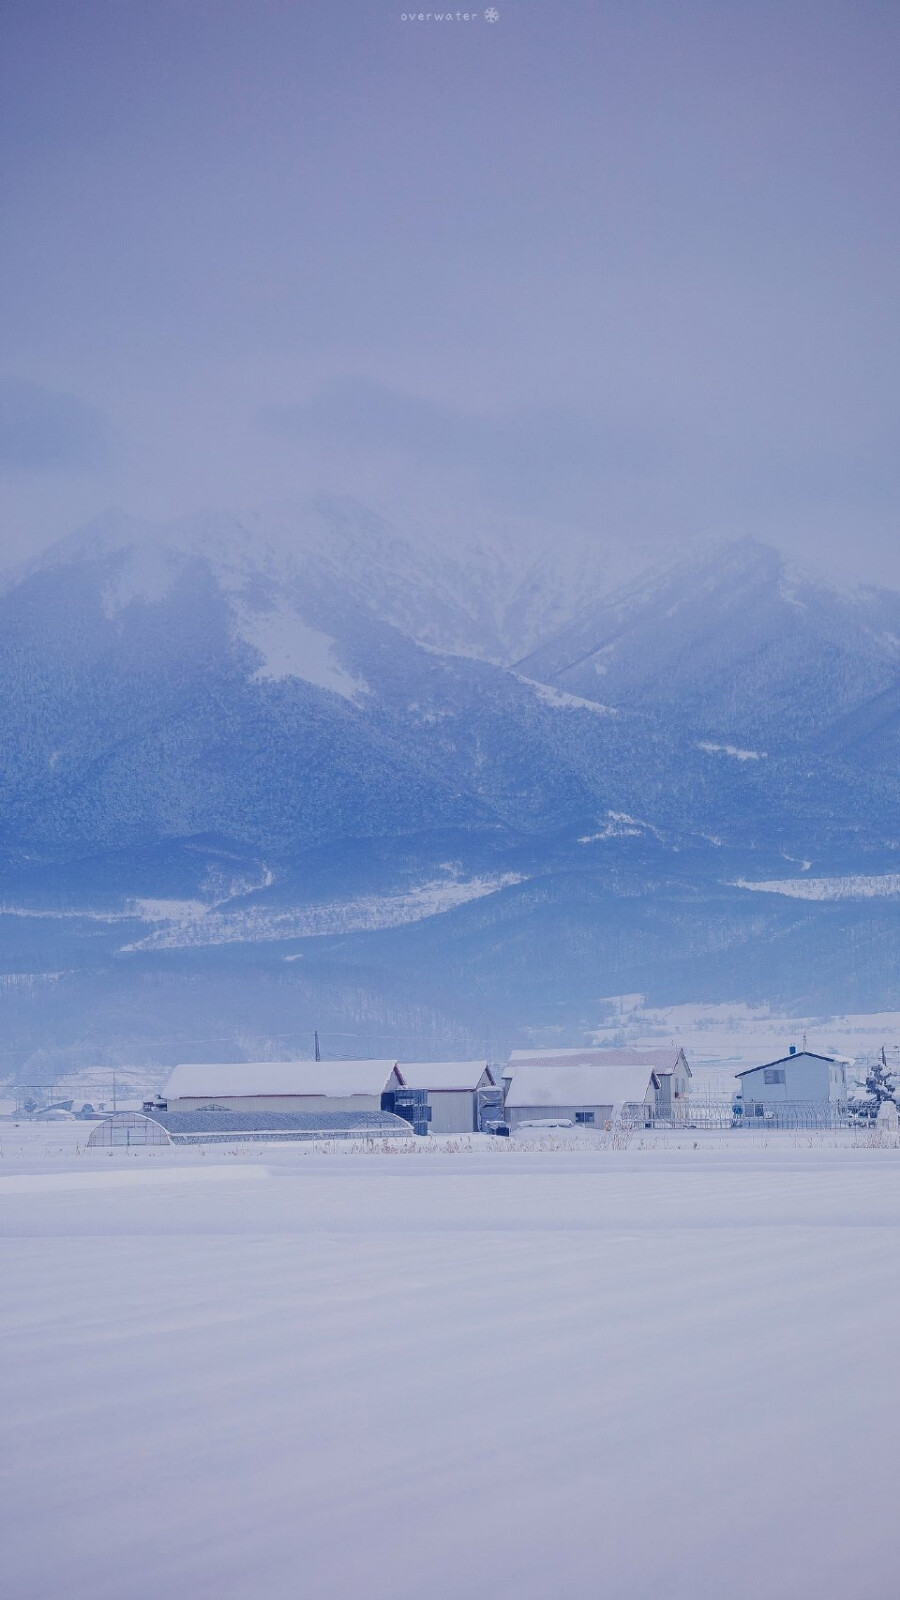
point(492, 14)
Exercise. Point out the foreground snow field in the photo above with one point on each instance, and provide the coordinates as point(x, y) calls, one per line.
point(657, 1373)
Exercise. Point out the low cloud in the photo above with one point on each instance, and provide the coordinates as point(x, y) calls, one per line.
point(652, 477)
point(529, 459)
point(42, 430)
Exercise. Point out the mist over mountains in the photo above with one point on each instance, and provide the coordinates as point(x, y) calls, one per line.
point(323, 767)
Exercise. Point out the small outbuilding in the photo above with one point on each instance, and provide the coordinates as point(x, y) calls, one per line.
point(457, 1092)
point(801, 1089)
point(580, 1094)
point(122, 1129)
point(281, 1086)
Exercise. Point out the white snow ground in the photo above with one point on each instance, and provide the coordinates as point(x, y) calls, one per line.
point(470, 1372)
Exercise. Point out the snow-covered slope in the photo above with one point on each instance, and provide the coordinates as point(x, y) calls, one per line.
point(502, 762)
point(735, 641)
point(470, 584)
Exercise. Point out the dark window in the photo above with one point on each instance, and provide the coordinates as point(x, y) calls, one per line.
point(774, 1075)
point(584, 1116)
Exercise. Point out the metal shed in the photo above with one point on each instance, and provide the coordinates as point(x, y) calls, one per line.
point(457, 1092)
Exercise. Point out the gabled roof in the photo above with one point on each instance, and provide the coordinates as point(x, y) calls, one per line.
point(206, 1080)
point(799, 1055)
point(437, 1075)
point(663, 1061)
point(575, 1084)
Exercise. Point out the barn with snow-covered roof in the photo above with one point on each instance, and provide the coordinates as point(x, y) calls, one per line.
point(579, 1093)
point(281, 1086)
point(667, 1065)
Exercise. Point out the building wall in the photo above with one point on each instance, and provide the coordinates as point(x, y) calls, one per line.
point(680, 1104)
point(276, 1102)
point(664, 1095)
point(679, 1089)
point(452, 1110)
point(672, 1096)
point(804, 1080)
point(602, 1114)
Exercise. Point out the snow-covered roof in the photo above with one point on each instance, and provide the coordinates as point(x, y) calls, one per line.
point(798, 1055)
point(437, 1075)
point(204, 1080)
point(578, 1084)
point(663, 1061)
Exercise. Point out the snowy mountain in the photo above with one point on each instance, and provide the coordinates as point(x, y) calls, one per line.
point(489, 587)
point(322, 760)
point(735, 642)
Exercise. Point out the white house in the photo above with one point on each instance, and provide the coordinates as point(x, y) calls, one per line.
point(579, 1092)
point(668, 1066)
point(801, 1087)
point(281, 1086)
point(453, 1089)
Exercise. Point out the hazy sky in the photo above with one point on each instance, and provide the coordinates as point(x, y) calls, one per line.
point(627, 264)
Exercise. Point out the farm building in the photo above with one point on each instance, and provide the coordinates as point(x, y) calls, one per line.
point(456, 1091)
point(281, 1086)
point(129, 1128)
point(800, 1089)
point(669, 1067)
point(579, 1093)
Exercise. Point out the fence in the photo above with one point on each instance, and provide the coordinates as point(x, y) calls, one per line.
point(713, 1112)
point(716, 1113)
point(807, 1114)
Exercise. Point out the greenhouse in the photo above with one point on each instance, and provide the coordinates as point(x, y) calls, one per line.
point(126, 1128)
point(214, 1126)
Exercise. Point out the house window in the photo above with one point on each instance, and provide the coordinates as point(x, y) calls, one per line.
point(774, 1075)
point(584, 1116)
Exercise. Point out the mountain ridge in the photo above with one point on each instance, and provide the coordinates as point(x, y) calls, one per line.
point(351, 717)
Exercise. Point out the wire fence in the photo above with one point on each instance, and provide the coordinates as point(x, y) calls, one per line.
point(803, 1114)
point(718, 1112)
point(713, 1112)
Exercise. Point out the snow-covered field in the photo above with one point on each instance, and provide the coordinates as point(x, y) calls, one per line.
point(473, 1369)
